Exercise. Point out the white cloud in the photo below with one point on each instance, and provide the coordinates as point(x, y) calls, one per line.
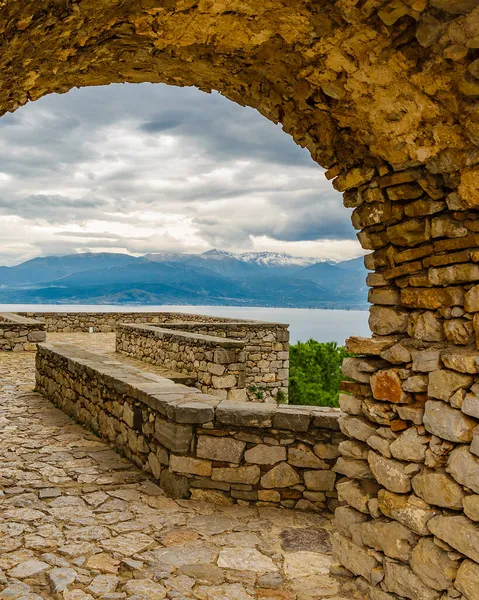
point(145, 168)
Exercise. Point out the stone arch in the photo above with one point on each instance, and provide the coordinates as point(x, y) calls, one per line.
point(384, 95)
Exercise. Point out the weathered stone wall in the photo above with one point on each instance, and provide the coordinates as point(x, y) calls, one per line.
point(105, 322)
point(217, 364)
point(384, 95)
point(18, 333)
point(196, 445)
point(266, 344)
point(408, 525)
point(267, 354)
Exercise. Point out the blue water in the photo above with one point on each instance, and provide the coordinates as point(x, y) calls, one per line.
point(305, 323)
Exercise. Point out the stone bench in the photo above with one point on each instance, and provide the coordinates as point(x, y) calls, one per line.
point(19, 333)
point(197, 446)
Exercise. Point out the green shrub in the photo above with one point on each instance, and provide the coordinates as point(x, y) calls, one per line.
point(315, 373)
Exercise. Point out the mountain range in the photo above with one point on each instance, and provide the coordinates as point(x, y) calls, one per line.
point(215, 277)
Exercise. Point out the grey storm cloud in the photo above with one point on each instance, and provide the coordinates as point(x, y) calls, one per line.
point(113, 154)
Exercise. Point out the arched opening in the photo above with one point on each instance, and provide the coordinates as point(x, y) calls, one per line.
point(385, 97)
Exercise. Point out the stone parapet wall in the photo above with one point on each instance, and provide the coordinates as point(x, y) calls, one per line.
point(105, 322)
point(266, 346)
point(217, 364)
point(195, 445)
point(19, 333)
point(408, 526)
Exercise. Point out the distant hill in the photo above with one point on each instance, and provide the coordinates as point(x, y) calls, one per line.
point(214, 277)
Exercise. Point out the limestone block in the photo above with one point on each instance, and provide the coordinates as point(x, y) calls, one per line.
point(354, 449)
point(356, 559)
point(462, 360)
point(410, 232)
point(193, 466)
point(280, 476)
point(376, 442)
point(470, 405)
point(247, 414)
point(389, 473)
point(322, 481)
point(371, 346)
point(265, 455)
point(292, 418)
point(454, 274)
point(426, 361)
point(410, 446)
point(346, 520)
point(385, 296)
point(223, 382)
point(447, 422)
point(412, 412)
point(459, 331)
point(471, 299)
point(357, 493)
point(194, 412)
point(390, 537)
point(385, 321)
point(467, 580)
point(386, 385)
point(459, 532)
point(432, 298)
point(464, 468)
point(303, 456)
point(396, 354)
point(327, 451)
point(416, 383)
point(353, 469)
point(426, 327)
point(438, 489)
point(173, 436)
point(247, 475)
point(356, 427)
point(471, 506)
point(411, 511)
point(220, 448)
point(351, 367)
point(432, 565)
point(350, 404)
point(401, 580)
point(444, 383)
point(155, 465)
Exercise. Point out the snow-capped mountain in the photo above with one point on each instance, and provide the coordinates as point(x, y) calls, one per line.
point(214, 277)
point(275, 259)
point(264, 259)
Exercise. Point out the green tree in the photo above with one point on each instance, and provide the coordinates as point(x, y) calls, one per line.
point(315, 373)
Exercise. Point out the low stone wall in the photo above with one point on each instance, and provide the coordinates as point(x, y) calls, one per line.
point(266, 344)
point(18, 333)
point(196, 445)
point(217, 364)
point(267, 354)
point(105, 322)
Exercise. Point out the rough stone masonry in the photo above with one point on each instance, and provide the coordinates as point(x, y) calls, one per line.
point(384, 94)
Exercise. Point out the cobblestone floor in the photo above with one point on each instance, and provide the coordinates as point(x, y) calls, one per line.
point(77, 522)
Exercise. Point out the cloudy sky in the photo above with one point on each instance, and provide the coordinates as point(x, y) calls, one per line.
point(151, 168)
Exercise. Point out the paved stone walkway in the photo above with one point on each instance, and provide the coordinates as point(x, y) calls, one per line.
point(78, 522)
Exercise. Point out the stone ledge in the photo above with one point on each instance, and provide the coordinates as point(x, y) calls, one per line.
point(161, 332)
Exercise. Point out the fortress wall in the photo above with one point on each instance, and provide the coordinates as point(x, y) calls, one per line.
point(266, 346)
point(19, 333)
point(408, 526)
point(198, 446)
point(217, 364)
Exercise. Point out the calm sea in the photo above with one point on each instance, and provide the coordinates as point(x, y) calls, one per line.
point(305, 323)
